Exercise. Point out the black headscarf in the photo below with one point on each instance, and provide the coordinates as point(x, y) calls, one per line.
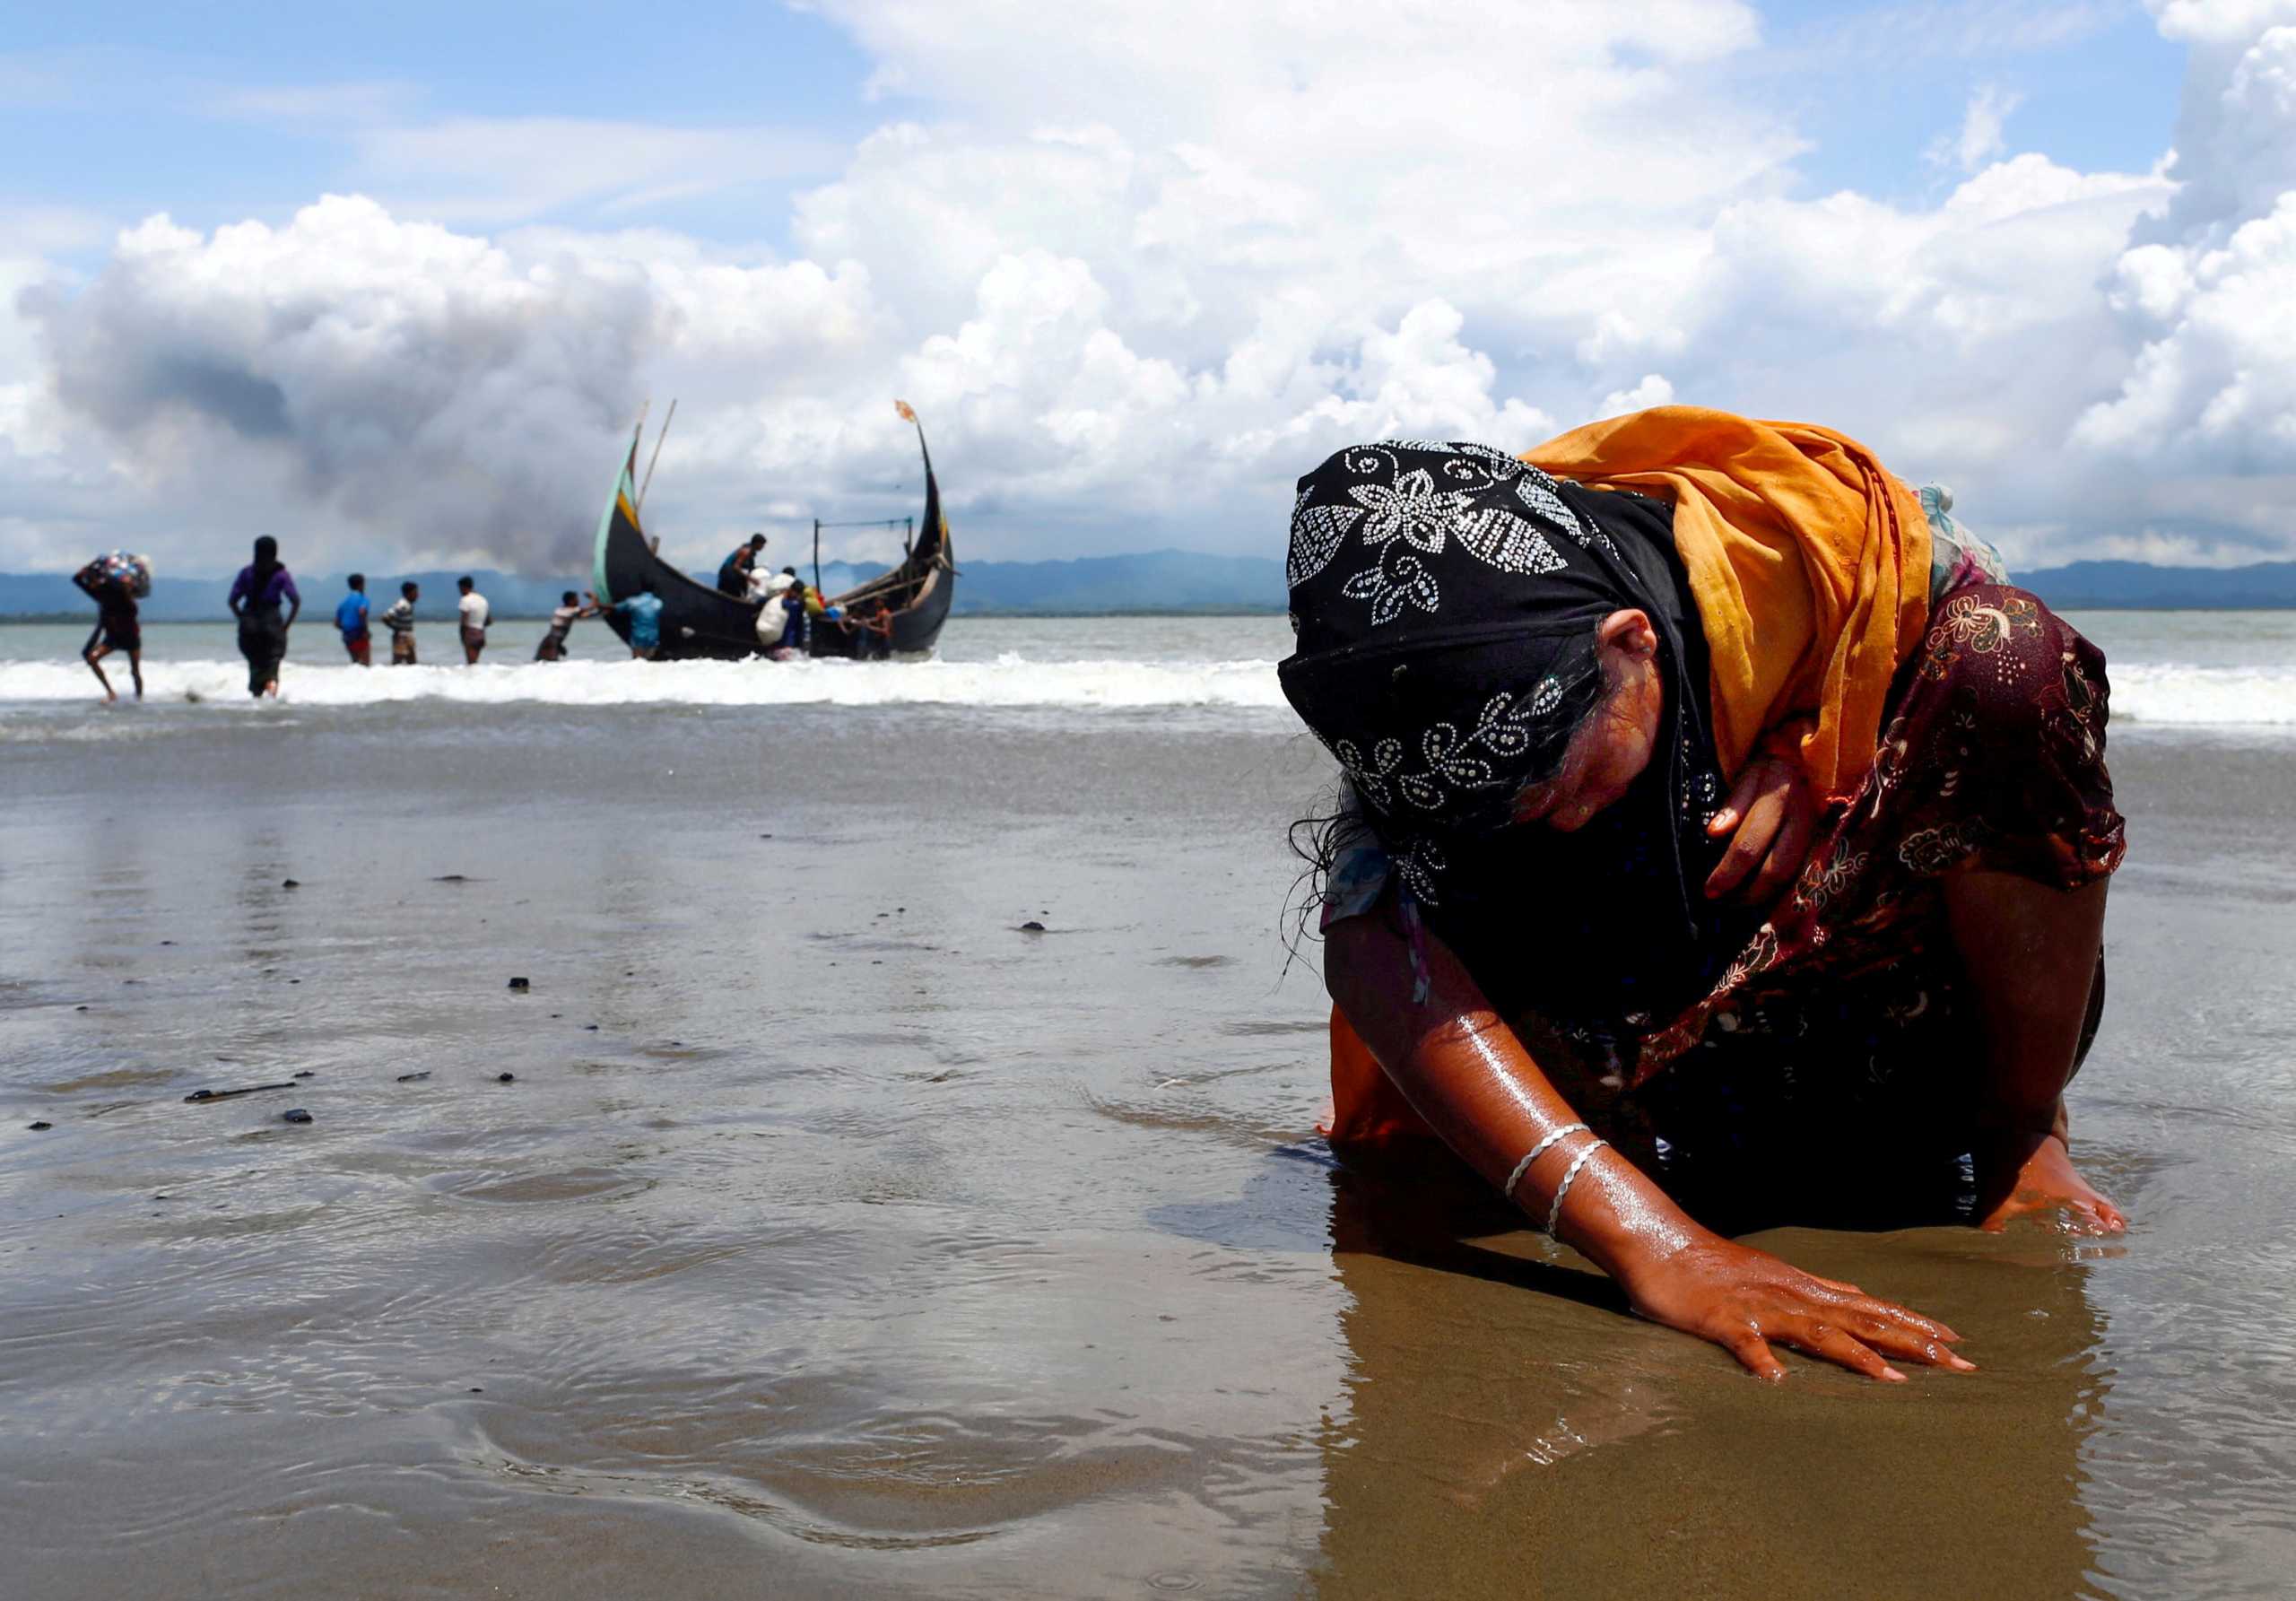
point(1445, 599)
point(266, 562)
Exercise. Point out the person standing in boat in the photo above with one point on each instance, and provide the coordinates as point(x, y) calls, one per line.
point(351, 620)
point(570, 611)
point(399, 618)
point(644, 609)
point(734, 572)
point(476, 615)
point(255, 600)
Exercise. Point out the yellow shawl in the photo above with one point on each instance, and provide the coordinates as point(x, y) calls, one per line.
point(1808, 562)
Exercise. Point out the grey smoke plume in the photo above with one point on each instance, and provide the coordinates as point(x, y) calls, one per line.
point(428, 387)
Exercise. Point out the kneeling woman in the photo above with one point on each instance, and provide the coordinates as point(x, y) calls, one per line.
point(1593, 714)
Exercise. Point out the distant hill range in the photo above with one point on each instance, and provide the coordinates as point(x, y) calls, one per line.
point(1156, 581)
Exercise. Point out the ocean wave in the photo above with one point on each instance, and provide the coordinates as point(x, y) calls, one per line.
point(2203, 696)
point(1009, 681)
point(2143, 692)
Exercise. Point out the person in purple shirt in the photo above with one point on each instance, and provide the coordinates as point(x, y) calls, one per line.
point(255, 595)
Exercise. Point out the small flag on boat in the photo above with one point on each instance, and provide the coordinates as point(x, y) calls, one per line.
point(906, 414)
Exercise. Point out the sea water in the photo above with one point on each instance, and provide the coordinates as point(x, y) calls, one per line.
point(2188, 669)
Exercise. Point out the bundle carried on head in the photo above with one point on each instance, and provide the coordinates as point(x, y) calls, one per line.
point(127, 568)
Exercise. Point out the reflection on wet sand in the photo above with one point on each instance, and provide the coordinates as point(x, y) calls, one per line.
point(1511, 1430)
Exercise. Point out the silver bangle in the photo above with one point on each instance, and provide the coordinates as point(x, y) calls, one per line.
point(1554, 1207)
point(1536, 1152)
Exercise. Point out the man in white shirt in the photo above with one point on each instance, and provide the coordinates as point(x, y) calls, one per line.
point(475, 613)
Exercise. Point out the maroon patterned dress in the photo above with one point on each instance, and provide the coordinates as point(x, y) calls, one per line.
point(1829, 1074)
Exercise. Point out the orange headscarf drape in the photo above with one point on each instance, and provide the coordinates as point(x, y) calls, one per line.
point(1809, 563)
point(1808, 560)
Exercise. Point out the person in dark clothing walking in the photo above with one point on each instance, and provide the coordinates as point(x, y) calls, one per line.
point(255, 600)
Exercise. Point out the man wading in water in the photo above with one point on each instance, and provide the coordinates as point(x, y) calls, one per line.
point(1722, 843)
point(476, 615)
point(399, 618)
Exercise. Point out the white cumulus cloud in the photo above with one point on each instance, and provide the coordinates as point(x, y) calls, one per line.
point(1139, 267)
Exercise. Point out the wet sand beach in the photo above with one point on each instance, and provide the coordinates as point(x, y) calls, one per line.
point(835, 1236)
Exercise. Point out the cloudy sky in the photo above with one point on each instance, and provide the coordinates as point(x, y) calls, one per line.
point(393, 284)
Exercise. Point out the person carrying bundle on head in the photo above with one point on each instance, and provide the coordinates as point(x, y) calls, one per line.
point(765, 584)
point(115, 582)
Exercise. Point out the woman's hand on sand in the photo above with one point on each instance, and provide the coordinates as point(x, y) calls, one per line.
point(1748, 1302)
point(1774, 814)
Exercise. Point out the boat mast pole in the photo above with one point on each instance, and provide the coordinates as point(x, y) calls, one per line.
point(667, 418)
point(638, 431)
point(817, 555)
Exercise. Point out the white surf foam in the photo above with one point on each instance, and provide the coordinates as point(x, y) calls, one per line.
point(2203, 696)
point(2143, 692)
point(1011, 680)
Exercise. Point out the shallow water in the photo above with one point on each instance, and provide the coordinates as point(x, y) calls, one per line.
point(868, 1244)
point(2181, 669)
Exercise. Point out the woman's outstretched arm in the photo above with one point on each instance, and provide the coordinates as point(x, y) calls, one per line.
point(1465, 1072)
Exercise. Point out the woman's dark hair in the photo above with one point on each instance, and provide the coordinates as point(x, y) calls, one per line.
point(266, 563)
point(1315, 838)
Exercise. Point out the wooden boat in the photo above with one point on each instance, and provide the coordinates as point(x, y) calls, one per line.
point(897, 612)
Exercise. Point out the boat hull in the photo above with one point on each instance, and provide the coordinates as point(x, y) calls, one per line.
point(898, 612)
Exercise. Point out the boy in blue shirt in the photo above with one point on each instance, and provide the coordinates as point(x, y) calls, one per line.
point(351, 619)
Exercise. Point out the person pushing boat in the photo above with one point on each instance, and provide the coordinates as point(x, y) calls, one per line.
point(1721, 842)
point(569, 610)
point(644, 609)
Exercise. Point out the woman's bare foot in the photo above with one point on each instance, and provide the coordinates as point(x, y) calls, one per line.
point(2047, 1182)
